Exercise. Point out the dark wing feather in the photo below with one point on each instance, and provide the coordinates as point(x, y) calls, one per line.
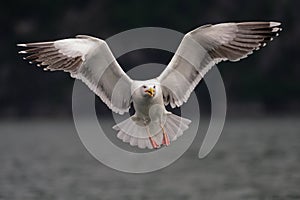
point(206, 46)
point(88, 59)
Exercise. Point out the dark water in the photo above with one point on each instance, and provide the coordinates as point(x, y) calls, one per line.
point(254, 159)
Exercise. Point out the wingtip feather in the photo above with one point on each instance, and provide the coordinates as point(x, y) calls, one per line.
point(274, 24)
point(22, 45)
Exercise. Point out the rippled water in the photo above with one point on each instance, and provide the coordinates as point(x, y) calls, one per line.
point(254, 159)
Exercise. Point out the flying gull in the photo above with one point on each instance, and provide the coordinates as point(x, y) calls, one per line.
point(152, 126)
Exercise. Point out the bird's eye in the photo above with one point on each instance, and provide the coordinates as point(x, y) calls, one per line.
point(144, 86)
point(154, 86)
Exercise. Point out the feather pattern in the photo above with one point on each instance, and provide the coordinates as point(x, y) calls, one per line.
point(206, 46)
point(88, 59)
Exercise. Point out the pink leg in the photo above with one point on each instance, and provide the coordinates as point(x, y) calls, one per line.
point(166, 140)
point(153, 143)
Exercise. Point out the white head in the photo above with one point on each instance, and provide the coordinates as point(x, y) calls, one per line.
point(146, 89)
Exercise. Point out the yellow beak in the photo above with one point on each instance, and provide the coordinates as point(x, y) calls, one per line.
point(150, 91)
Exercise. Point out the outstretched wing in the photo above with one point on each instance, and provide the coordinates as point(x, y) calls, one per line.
point(90, 60)
point(206, 46)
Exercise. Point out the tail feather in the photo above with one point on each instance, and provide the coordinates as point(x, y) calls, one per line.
point(171, 133)
point(174, 127)
point(142, 144)
point(130, 132)
point(133, 141)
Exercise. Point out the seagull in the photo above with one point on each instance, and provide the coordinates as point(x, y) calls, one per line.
point(90, 60)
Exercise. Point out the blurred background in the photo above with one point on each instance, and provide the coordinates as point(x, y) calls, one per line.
point(257, 157)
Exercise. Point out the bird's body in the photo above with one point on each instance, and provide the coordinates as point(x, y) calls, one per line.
point(147, 127)
point(90, 60)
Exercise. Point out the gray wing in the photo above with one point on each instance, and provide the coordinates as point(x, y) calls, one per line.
point(206, 46)
point(90, 60)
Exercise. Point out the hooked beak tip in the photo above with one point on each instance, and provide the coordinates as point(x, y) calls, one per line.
point(150, 92)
